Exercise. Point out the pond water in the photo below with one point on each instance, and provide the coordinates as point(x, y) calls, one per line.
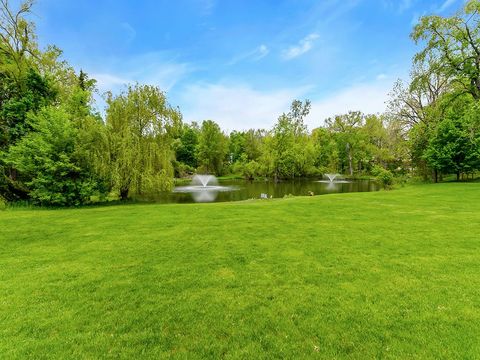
point(244, 189)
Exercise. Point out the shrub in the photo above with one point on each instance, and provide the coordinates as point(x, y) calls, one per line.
point(250, 170)
point(237, 168)
point(384, 176)
point(183, 170)
point(47, 161)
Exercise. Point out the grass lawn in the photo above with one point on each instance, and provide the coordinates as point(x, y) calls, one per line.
point(365, 275)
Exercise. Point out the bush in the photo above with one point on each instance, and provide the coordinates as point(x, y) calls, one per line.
point(402, 179)
point(183, 170)
point(250, 170)
point(3, 204)
point(314, 171)
point(237, 168)
point(47, 162)
point(384, 176)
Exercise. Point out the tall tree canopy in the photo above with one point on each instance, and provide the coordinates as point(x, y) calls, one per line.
point(186, 149)
point(212, 148)
point(141, 127)
point(452, 47)
point(290, 145)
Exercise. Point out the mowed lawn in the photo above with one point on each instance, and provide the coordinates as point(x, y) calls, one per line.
point(367, 275)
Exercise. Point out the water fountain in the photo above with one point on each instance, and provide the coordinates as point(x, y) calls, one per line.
point(331, 177)
point(204, 181)
point(203, 188)
point(332, 180)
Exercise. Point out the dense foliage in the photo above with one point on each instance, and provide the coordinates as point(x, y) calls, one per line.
point(56, 149)
point(141, 127)
point(438, 110)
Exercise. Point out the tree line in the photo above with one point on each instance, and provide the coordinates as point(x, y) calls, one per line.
point(56, 149)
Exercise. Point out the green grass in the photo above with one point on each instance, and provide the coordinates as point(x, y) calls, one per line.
point(361, 276)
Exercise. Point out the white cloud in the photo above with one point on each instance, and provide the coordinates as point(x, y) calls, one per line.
point(446, 4)
point(236, 107)
point(207, 6)
point(151, 68)
point(254, 55)
point(262, 51)
point(405, 5)
point(155, 68)
point(241, 107)
point(304, 46)
point(109, 81)
point(369, 98)
point(129, 32)
point(399, 6)
point(416, 18)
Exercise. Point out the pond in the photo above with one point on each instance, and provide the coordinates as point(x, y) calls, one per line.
point(244, 189)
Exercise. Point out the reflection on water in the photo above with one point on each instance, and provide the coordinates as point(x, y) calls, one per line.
point(203, 193)
point(243, 190)
point(204, 188)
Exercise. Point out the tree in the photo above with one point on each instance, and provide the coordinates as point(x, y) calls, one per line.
point(445, 70)
point(376, 138)
point(289, 140)
point(47, 164)
point(212, 148)
point(24, 88)
point(61, 159)
point(34, 93)
point(17, 38)
point(326, 150)
point(454, 45)
point(245, 151)
point(267, 159)
point(398, 151)
point(455, 143)
point(19, 50)
point(348, 137)
point(253, 143)
point(185, 152)
point(141, 127)
point(237, 146)
point(410, 104)
point(91, 147)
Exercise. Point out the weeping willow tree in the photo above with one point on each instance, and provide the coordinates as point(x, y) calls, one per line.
point(141, 128)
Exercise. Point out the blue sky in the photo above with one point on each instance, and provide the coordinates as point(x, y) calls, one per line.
point(242, 62)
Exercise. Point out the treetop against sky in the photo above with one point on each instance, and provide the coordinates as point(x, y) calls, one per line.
point(242, 62)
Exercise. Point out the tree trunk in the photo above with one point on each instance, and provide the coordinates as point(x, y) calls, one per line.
point(123, 194)
point(458, 175)
point(436, 175)
point(350, 161)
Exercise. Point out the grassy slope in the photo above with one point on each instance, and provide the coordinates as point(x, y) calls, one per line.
point(387, 275)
